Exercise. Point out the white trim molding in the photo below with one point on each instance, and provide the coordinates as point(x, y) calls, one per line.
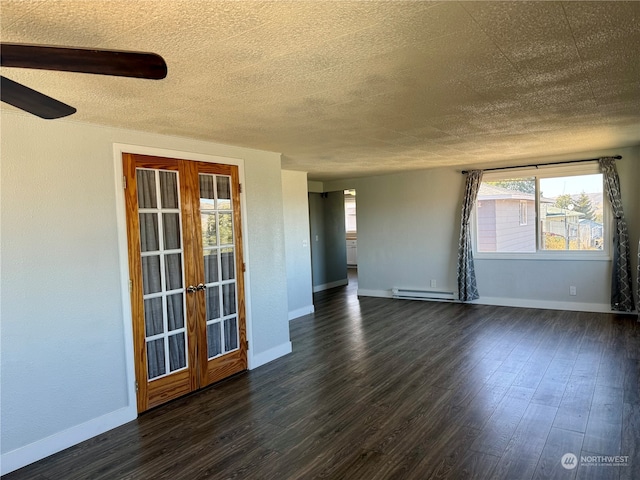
point(301, 312)
point(27, 454)
point(545, 304)
point(375, 293)
point(274, 353)
point(327, 286)
point(516, 302)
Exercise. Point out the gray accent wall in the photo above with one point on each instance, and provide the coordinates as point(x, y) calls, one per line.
point(328, 245)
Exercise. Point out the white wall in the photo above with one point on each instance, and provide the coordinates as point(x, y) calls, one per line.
point(408, 228)
point(297, 243)
point(65, 371)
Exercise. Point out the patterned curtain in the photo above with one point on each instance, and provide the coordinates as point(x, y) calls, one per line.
point(621, 282)
point(467, 288)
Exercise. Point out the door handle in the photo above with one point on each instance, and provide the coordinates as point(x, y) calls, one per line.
point(192, 289)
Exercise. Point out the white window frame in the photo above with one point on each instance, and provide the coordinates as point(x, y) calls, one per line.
point(539, 254)
point(350, 200)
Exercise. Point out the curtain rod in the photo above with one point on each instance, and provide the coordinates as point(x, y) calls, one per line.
point(617, 157)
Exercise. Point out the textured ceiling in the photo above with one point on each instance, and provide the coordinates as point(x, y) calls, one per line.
point(347, 89)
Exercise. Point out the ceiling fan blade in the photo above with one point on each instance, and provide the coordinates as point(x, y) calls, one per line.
point(31, 101)
point(84, 60)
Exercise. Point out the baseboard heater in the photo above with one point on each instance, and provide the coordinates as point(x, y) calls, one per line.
point(435, 295)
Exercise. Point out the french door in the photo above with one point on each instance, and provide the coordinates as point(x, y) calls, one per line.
point(186, 275)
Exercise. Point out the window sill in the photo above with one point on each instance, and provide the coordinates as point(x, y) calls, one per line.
point(545, 256)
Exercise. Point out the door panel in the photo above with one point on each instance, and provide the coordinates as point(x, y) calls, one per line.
point(185, 253)
point(224, 336)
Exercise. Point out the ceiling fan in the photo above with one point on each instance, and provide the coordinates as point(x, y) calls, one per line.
point(83, 60)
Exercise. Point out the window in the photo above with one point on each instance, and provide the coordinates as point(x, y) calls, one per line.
point(523, 212)
point(350, 212)
point(567, 204)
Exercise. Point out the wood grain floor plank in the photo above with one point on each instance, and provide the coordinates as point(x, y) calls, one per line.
point(632, 381)
point(612, 370)
point(573, 411)
point(549, 392)
point(444, 453)
point(604, 428)
point(631, 441)
point(479, 409)
point(476, 465)
point(525, 446)
point(499, 429)
point(559, 442)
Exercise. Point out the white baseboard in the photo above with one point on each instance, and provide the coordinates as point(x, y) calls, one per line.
point(301, 312)
point(544, 304)
point(327, 286)
point(375, 293)
point(23, 456)
point(260, 359)
point(517, 302)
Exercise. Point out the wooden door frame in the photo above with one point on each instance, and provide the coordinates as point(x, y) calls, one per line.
point(121, 220)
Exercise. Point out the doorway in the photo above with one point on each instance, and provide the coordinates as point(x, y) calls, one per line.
point(351, 230)
point(186, 275)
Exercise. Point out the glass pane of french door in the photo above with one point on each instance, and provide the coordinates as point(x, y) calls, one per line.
point(162, 271)
point(218, 245)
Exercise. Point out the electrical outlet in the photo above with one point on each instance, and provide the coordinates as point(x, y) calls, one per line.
point(572, 290)
point(434, 284)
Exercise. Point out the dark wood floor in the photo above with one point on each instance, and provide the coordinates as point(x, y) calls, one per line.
point(380, 389)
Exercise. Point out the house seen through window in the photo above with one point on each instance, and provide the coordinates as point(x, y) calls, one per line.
point(531, 214)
